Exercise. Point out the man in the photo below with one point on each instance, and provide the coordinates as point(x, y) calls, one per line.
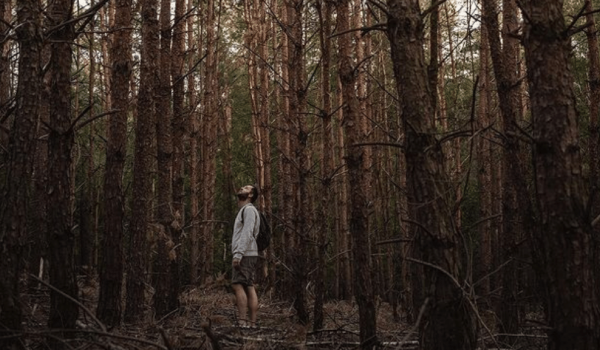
point(245, 255)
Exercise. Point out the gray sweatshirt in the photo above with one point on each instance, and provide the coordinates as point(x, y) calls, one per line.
point(245, 229)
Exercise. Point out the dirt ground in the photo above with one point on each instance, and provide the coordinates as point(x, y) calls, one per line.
point(206, 319)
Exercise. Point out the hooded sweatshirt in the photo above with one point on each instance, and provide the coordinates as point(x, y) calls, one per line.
point(245, 229)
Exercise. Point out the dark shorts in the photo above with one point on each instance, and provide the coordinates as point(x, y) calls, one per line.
point(247, 272)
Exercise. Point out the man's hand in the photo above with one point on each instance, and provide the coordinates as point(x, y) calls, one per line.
point(236, 264)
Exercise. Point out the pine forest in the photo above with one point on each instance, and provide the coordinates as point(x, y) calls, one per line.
point(429, 169)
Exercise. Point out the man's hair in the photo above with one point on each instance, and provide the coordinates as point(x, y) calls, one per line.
point(255, 193)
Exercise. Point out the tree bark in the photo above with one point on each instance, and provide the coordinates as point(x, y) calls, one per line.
point(63, 312)
point(111, 269)
point(137, 261)
point(179, 128)
point(517, 208)
point(324, 10)
point(448, 322)
point(15, 194)
point(356, 156)
point(563, 240)
point(162, 302)
point(299, 199)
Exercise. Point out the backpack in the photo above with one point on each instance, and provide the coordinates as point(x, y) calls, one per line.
point(263, 238)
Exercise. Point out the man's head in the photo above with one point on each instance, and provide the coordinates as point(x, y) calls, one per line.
point(246, 192)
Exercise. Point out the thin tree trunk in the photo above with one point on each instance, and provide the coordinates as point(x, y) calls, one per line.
point(162, 302)
point(87, 201)
point(194, 172)
point(111, 269)
point(484, 171)
point(563, 241)
point(179, 128)
point(210, 140)
point(355, 158)
point(137, 260)
point(324, 11)
point(514, 185)
point(297, 258)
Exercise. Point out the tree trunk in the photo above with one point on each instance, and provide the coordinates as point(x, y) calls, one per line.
point(448, 321)
point(209, 150)
point(162, 302)
point(179, 135)
point(355, 158)
point(63, 312)
point(324, 11)
point(17, 175)
point(137, 260)
point(297, 258)
point(194, 125)
point(484, 173)
point(594, 127)
point(111, 269)
point(517, 209)
point(563, 241)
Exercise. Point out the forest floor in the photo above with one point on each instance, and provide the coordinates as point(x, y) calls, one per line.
point(206, 319)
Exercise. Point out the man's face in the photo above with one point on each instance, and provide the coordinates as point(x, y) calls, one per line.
point(244, 193)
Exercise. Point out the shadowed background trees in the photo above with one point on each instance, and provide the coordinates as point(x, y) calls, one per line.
point(437, 156)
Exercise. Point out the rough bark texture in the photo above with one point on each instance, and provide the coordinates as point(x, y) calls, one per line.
point(179, 134)
point(209, 146)
point(63, 312)
point(162, 277)
point(355, 158)
point(324, 10)
point(594, 127)
point(143, 159)
point(517, 209)
point(563, 239)
point(448, 322)
point(300, 220)
point(111, 268)
point(16, 176)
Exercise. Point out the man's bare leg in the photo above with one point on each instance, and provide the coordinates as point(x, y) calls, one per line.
point(252, 300)
point(242, 303)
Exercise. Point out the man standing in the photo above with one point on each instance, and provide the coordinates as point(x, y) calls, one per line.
point(245, 255)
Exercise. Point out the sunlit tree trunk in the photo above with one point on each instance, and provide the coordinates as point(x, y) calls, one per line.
point(137, 256)
point(63, 312)
point(17, 174)
point(355, 158)
point(562, 241)
point(111, 268)
point(448, 322)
